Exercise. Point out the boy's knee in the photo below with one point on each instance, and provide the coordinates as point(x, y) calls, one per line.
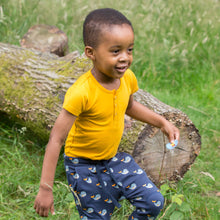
point(155, 203)
point(149, 208)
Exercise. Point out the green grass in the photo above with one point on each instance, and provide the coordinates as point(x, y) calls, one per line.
point(176, 58)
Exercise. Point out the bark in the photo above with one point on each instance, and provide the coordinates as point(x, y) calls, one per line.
point(32, 88)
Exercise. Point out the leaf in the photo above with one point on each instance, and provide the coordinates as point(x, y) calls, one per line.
point(177, 199)
point(185, 207)
point(177, 215)
point(164, 188)
point(170, 209)
point(69, 197)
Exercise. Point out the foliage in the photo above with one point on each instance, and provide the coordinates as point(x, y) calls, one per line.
point(176, 58)
point(176, 207)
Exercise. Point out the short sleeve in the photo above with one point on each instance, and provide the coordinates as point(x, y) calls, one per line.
point(74, 101)
point(132, 81)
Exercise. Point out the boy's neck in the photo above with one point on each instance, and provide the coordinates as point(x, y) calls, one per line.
point(107, 82)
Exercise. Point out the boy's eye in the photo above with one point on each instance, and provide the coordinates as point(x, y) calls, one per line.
point(115, 51)
point(130, 49)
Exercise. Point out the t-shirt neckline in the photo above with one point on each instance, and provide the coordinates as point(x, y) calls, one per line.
point(102, 87)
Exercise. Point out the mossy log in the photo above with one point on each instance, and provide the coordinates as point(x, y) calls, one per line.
point(32, 88)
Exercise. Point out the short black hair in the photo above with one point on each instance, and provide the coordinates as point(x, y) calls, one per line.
point(99, 19)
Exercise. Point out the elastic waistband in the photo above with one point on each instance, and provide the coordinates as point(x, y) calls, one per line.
point(77, 160)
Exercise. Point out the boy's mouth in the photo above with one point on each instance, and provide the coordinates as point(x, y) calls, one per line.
point(121, 69)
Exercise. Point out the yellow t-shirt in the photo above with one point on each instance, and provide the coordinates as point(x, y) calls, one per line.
point(99, 125)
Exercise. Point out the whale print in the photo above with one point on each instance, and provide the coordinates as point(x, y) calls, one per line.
point(115, 186)
point(132, 186)
point(103, 212)
point(82, 194)
point(92, 169)
point(105, 171)
point(75, 176)
point(88, 180)
point(127, 159)
point(108, 200)
point(149, 185)
point(119, 183)
point(114, 159)
point(156, 203)
point(139, 171)
point(75, 160)
point(67, 168)
point(139, 198)
point(96, 197)
point(89, 210)
point(124, 171)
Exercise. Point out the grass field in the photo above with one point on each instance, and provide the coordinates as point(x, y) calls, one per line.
point(176, 58)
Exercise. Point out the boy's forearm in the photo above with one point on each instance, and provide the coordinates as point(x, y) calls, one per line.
point(58, 135)
point(142, 113)
point(49, 165)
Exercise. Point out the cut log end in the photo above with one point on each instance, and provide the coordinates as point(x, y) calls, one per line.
point(160, 163)
point(46, 38)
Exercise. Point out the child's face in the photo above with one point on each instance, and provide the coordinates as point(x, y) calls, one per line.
point(113, 56)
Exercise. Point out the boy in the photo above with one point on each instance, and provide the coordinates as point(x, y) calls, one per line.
point(93, 118)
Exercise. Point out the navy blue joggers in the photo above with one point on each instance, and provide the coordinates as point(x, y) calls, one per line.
point(97, 187)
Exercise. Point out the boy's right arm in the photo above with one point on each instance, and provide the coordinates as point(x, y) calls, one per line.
point(44, 200)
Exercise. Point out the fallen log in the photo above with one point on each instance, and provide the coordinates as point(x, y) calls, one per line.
point(32, 88)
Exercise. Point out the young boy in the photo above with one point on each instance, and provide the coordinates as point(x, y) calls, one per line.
point(93, 118)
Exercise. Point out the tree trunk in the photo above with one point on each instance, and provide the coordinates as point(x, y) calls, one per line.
point(32, 88)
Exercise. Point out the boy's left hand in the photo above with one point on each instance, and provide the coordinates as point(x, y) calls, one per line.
point(170, 131)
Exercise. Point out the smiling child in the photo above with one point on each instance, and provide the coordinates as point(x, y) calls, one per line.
point(92, 123)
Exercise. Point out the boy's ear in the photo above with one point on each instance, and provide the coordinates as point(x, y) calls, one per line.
point(89, 52)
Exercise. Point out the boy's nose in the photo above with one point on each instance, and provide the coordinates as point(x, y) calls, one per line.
point(124, 57)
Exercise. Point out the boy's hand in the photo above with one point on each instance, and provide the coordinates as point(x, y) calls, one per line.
point(44, 202)
point(170, 131)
